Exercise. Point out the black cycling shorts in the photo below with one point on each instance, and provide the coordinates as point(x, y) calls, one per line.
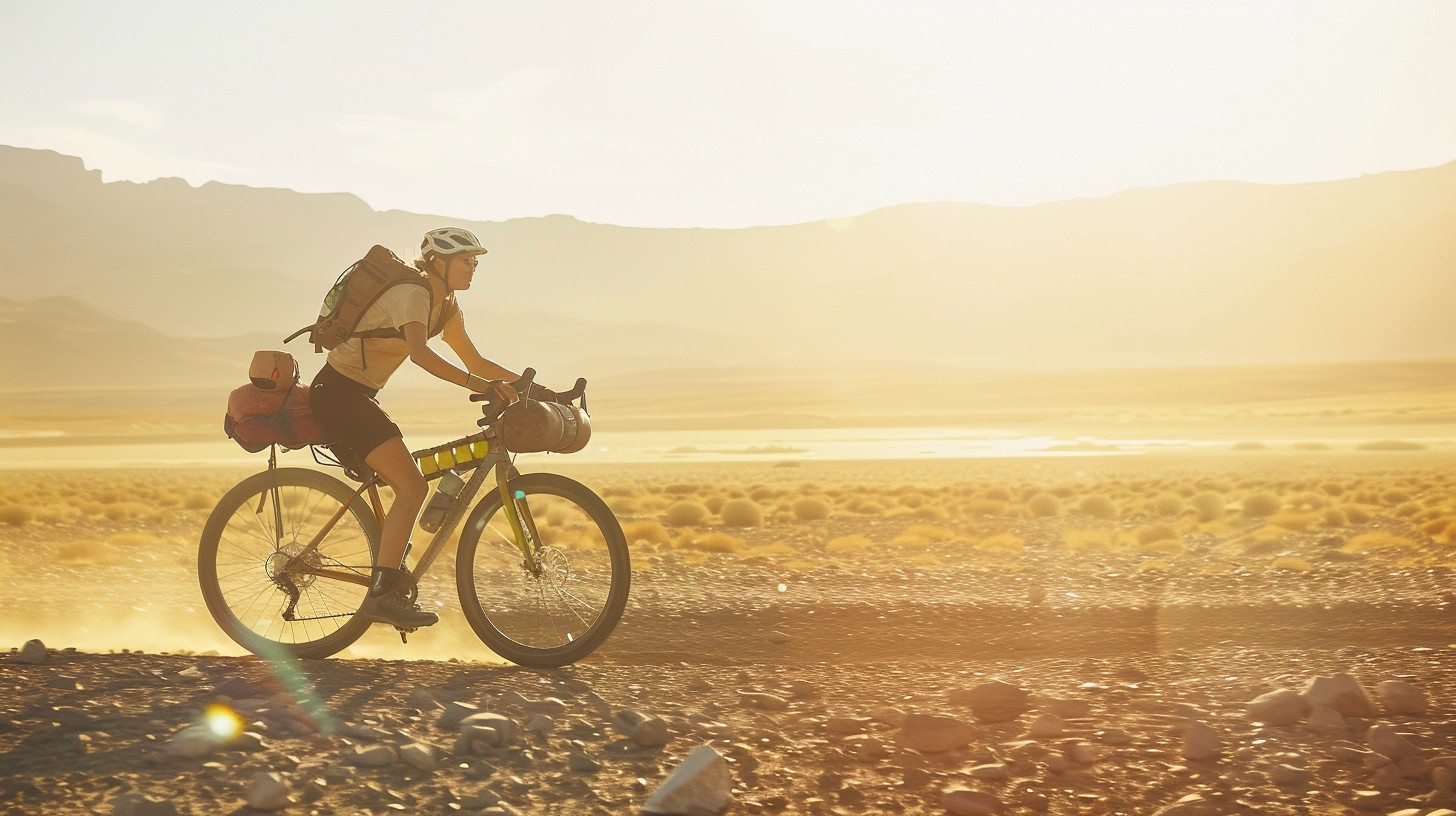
point(350, 413)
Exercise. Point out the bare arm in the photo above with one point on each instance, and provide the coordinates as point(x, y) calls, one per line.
point(425, 357)
point(459, 340)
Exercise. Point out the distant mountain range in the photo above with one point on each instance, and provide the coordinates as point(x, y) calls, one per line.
point(103, 280)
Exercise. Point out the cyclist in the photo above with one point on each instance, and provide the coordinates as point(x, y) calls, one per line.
point(343, 398)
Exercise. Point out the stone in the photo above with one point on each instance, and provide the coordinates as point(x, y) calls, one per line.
point(990, 770)
point(418, 755)
point(578, 761)
point(646, 730)
point(962, 802)
point(191, 742)
point(844, 726)
point(1342, 693)
point(928, 733)
point(1046, 726)
point(267, 791)
point(1399, 698)
point(1082, 753)
point(1443, 779)
point(131, 803)
point(700, 786)
point(1384, 740)
point(33, 652)
point(864, 747)
point(1289, 776)
point(1065, 709)
point(889, 715)
point(504, 727)
point(1201, 743)
point(763, 701)
point(1325, 721)
point(1191, 805)
point(540, 724)
point(1282, 707)
point(993, 702)
point(453, 713)
point(370, 756)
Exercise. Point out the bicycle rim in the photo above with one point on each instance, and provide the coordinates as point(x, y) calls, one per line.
point(249, 543)
point(563, 609)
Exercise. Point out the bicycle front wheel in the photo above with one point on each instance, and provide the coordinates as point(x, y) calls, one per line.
point(257, 590)
point(561, 608)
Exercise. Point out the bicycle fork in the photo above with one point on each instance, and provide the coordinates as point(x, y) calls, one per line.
point(523, 525)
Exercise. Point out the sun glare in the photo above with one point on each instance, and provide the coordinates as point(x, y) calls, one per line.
point(223, 722)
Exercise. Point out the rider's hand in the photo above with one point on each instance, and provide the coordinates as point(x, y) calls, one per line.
point(496, 388)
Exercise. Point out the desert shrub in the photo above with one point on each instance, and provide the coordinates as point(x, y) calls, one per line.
point(1168, 504)
point(912, 500)
point(686, 513)
point(986, 507)
point(930, 512)
point(1332, 488)
point(134, 540)
point(1043, 505)
point(1087, 539)
point(712, 541)
point(715, 503)
point(1156, 532)
point(619, 490)
point(1249, 446)
point(649, 531)
point(998, 493)
point(1335, 517)
point(1291, 564)
point(847, 544)
point(865, 507)
point(811, 509)
point(1378, 540)
point(683, 489)
point(16, 515)
point(1391, 498)
point(1407, 509)
point(1259, 505)
point(1297, 522)
point(1098, 507)
point(1063, 492)
point(197, 500)
point(1003, 542)
point(1355, 514)
point(623, 505)
point(1210, 505)
point(741, 513)
point(87, 553)
point(1390, 445)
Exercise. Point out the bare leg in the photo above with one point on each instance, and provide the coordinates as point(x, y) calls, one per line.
point(393, 462)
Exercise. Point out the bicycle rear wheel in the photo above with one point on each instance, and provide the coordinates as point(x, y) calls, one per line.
point(562, 611)
point(247, 547)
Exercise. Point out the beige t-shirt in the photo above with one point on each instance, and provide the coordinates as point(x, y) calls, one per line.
point(371, 360)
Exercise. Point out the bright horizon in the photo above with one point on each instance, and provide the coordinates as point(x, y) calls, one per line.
point(730, 114)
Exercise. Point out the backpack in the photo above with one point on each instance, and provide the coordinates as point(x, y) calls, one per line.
point(356, 290)
point(273, 407)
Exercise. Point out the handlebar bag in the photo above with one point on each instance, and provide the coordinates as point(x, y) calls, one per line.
point(531, 426)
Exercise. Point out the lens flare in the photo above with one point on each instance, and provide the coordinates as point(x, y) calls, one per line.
point(223, 722)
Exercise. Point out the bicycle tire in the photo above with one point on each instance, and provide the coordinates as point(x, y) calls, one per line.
point(541, 621)
point(240, 533)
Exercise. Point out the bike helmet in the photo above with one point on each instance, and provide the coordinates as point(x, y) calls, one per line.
point(447, 241)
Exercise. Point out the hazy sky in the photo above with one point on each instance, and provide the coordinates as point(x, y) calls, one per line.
point(701, 113)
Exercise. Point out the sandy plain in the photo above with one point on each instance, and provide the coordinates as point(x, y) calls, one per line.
point(792, 615)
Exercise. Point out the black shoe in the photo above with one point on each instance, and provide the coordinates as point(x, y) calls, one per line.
point(393, 609)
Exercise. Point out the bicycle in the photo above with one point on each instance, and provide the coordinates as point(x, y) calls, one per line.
point(542, 568)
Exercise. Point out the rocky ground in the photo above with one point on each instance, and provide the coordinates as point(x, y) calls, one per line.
point(943, 671)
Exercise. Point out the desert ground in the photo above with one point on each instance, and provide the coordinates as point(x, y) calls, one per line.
point(1240, 630)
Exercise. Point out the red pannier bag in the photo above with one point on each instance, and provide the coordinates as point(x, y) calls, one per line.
point(273, 408)
point(257, 418)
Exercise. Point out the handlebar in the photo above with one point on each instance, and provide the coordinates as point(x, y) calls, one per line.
point(494, 406)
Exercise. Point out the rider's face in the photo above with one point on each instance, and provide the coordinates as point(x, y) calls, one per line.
point(460, 270)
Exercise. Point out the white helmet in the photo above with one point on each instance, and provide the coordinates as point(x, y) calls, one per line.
point(447, 241)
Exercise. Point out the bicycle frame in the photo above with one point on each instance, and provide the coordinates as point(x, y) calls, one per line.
point(523, 526)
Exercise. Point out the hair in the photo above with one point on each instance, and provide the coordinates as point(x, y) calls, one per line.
point(425, 266)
